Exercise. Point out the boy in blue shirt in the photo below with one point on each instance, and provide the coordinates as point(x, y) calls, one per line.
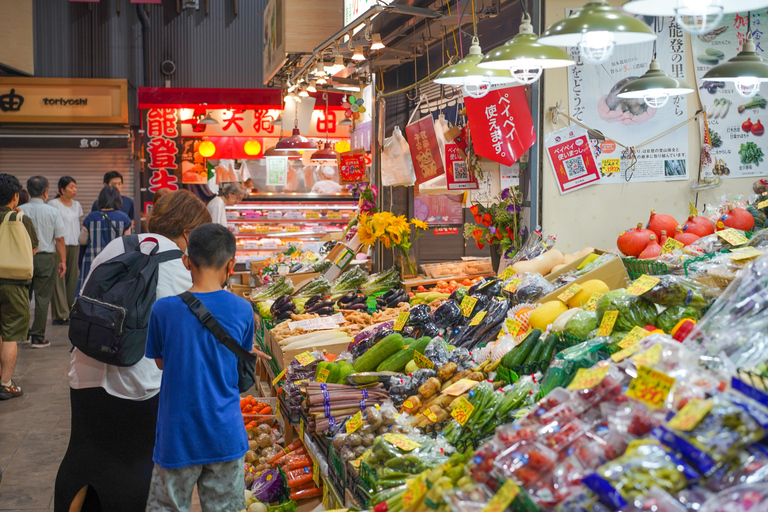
point(200, 437)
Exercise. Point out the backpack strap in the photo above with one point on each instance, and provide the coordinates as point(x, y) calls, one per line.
point(133, 243)
point(18, 216)
point(114, 228)
point(210, 322)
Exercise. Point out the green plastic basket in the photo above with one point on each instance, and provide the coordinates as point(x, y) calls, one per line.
point(337, 467)
point(636, 268)
point(368, 476)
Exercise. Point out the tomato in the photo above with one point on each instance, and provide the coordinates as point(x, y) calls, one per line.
point(420, 288)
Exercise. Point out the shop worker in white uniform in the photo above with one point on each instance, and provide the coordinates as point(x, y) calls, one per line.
point(229, 195)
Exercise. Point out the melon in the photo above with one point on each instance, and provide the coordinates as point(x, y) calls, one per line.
point(588, 288)
point(546, 314)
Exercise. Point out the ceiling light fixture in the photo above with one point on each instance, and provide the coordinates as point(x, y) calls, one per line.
point(208, 119)
point(358, 55)
point(747, 70)
point(376, 43)
point(596, 29)
point(321, 80)
point(474, 81)
point(303, 93)
point(311, 87)
point(338, 65)
point(292, 155)
point(296, 142)
point(655, 87)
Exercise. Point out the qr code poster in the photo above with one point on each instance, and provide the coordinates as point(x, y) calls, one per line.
point(572, 159)
point(458, 176)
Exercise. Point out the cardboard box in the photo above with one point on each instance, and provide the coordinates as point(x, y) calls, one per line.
point(299, 279)
point(284, 358)
point(340, 257)
point(242, 290)
point(613, 273)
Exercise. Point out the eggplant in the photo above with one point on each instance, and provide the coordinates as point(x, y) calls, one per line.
point(474, 287)
point(419, 315)
point(289, 307)
point(447, 314)
point(295, 268)
point(320, 305)
point(279, 303)
point(490, 288)
point(397, 298)
point(389, 293)
point(358, 307)
point(471, 336)
point(326, 311)
point(284, 316)
point(427, 329)
point(359, 299)
point(346, 299)
point(314, 300)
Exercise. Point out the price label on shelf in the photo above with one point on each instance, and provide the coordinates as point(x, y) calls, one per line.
point(315, 470)
point(762, 204)
point(279, 376)
point(355, 422)
point(587, 378)
point(356, 463)
point(569, 293)
point(306, 358)
point(591, 304)
point(692, 210)
point(402, 318)
point(292, 229)
point(261, 230)
point(650, 357)
point(670, 245)
point(633, 336)
point(274, 215)
point(300, 382)
point(462, 411)
point(334, 215)
point(402, 442)
point(417, 487)
point(512, 285)
point(460, 387)
point(312, 215)
point(301, 429)
point(421, 361)
point(650, 387)
point(691, 414)
point(642, 284)
point(745, 254)
point(606, 325)
point(507, 273)
point(322, 375)
point(477, 318)
point(625, 353)
point(283, 269)
point(733, 236)
point(503, 497)
point(467, 305)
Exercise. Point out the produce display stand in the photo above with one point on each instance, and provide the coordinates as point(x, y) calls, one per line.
point(412, 283)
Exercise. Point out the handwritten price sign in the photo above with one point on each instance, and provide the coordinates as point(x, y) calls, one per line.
point(642, 284)
point(512, 285)
point(421, 360)
point(467, 305)
point(334, 215)
point(477, 318)
point(462, 411)
point(503, 497)
point(279, 376)
point(587, 378)
point(606, 325)
point(670, 245)
point(733, 236)
point(305, 358)
point(401, 442)
point(623, 354)
point(569, 293)
point(633, 336)
point(355, 422)
point(691, 414)
point(650, 357)
point(507, 273)
point(322, 375)
point(591, 304)
point(650, 387)
point(400, 322)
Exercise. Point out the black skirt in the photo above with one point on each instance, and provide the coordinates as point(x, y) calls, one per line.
point(110, 451)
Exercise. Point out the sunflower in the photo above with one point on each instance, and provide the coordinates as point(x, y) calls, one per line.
point(396, 238)
point(385, 241)
point(419, 224)
point(365, 234)
point(379, 224)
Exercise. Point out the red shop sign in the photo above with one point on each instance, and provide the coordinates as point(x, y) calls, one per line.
point(572, 159)
point(458, 175)
point(352, 167)
point(425, 152)
point(446, 231)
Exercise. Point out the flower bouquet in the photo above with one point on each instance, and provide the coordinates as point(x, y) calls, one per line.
point(366, 195)
point(395, 232)
point(498, 223)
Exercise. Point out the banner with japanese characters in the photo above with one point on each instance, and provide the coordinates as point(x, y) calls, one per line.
point(458, 175)
point(572, 159)
point(162, 150)
point(425, 151)
point(735, 122)
point(500, 124)
point(626, 123)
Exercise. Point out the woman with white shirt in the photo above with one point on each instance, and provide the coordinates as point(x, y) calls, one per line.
point(229, 195)
point(108, 464)
point(71, 213)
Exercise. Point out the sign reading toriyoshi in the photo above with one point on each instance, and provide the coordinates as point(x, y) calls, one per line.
point(736, 128)
point(593, 101)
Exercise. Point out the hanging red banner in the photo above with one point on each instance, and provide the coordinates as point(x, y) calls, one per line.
point(501, 124)
point(352, 167)
point(458, 175)
point(425, 151)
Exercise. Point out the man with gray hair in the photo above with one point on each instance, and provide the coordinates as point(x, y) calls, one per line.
point(229, 195)
point(50, 230)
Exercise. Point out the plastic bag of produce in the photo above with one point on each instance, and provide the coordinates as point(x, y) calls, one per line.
point(567, 362)
point(742, 498)
point(680, 291)
point(532, 287)
point(531, 465)
point(268, 486)
point(437, 351)
point(669, 318)
point(633, 311)
point(581, 324)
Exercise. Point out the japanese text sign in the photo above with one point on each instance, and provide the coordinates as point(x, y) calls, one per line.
point(352, 166)
point(161, 149)
point(458, 174)
point(425, 153)
point(573, 161)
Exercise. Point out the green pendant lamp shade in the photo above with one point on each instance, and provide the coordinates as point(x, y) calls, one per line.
point(747, 70)
point(524, 57)
point(655, 87)
point(695, 16)
point(596, 29)
point(475, 81)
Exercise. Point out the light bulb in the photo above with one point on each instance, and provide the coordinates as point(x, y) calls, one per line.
point(338, 65)
point(526, 75)
point(698, 16)
point(476, 86)
point(747, 86)
point(597, 46)
point(655, 98)
point(311, 87)
point(291, 87)
point(376, 43)
point(358, 55)
point(303, 93)
point(321, 80)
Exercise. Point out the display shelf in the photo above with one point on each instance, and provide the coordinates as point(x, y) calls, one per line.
point(246, 221)
point(419, 281)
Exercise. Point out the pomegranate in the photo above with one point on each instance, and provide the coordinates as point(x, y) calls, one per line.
point(632, 241)
point(737, 218)
point(659, 221)
point(700, 226)
point(652, 250)
point(685, 238)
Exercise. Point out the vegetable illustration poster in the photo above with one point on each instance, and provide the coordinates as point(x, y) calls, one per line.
point(735, 123)
point(592, 91)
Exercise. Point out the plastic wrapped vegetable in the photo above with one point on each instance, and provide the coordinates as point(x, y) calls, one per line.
point(680, 291)
point(437, 351)
point(532, 288)
point(421, 376)
point(268, 486)
point(419, 315)
point(567, 362)
point(669, 318)
point(633, 311)
point(461, 357)
point(581, 324)
point(447, 314)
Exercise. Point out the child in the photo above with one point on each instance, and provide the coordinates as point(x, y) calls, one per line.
point(200, 436)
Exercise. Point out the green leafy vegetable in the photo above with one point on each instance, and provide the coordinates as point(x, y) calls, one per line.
point(633, 311)
point(581, 324)
point(680, 291)
point(751, 153)
point(669, 318)
point(757, 102)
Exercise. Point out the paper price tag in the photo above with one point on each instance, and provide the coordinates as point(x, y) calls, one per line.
point(477, 318)
point(762, 204)
point(746, 254)
point(261, 230)
point(623, 354)
point(400, 322)
point(692, 210)
point(315, 471)
point(650, 387)
point(300, 382)
point(277, 410)
point(587, 378)
point(507, 273)
point(569, 293)
point(591, 304)
point(606, 325)
point(322, 375)
point(633, 336)
point(279, 376)
point(513, 326)
point(312, 215)
point(355, 422)
point(642, 284)
point(512, 285)
point(283, 269)
point(503, 497)
point(691, 414)
point(462, 411)
point(334, 215)
point(401, 442)
point(305, 358)
point(417, 487)
point(467, 305)
point(356, 463)
point(460, 387)
point(292, 229)
point(431, 415)
point(421, 361)
point(670, 245)
point(640, 442)
point(733, 236)
point(301, 430)
point(650, 357)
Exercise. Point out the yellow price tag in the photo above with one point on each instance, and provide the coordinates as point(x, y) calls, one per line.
point(633, 336)
point(512, 285)
point(467, 305)
point(460, 387)
point(589, 259)
point(691, 414)
point(334, 215)
point(733, 236)
point(640, 442)
point(623, 354)
point(402, 318)
point(692, 210)
point(279, 376)
point(610, 165)
point(477, 318)
point(513, 326)
point(305, 358)
point(587, 378)
point(355, 422)
point(315, 470)
point(462, 411)
point(607, 323)
point(507, 273)
point(569, 293)
point(650, 387)
point(591, 304)
point(421, 361)
point(300, 382)
point(356, 463)
point(650, 357)
point(417, 487)
point(261, 230)
point(301, 430)
point(322, 375)
point(312, 215)
point(762, 204)
point(746, 254)
point(503, 497)
point(670, 245)
point(430, 415)
point(401, 442)
point(292, 229)
point(642, 284)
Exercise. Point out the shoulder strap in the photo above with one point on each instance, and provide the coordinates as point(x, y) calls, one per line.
point(164, 256)
point(114, 228)
point(208, 320)
point(13, 216)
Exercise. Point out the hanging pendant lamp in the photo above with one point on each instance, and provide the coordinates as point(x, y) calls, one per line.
point(296, 142)
point(695, 16)
point(272, 152)
point(596, 29)
point(474, 81)
point(327, 153)
point(655, 87)
point(524, 57)
point(208, 119)
point(747, 70)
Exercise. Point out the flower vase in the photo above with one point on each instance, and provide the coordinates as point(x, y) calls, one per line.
point(408, 269)
point(495, 257)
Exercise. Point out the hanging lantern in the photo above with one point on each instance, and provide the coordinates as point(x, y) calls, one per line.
point(206, 149)
point(252, 147)
point(342, 146)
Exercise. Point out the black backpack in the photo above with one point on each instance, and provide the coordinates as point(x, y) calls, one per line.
point(109, 320)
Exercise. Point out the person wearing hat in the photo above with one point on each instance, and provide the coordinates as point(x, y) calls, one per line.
point(326, 185)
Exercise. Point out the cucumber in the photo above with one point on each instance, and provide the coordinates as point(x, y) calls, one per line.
point(535, 353)
point(549, 347)
point(379, 352)
point(397, 361)
point(517, 355)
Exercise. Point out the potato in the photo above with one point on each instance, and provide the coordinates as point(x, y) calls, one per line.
point(447, 371)
point(250, 456)
point(430, 387)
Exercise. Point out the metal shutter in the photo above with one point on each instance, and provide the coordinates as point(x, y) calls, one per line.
point(87, 166)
